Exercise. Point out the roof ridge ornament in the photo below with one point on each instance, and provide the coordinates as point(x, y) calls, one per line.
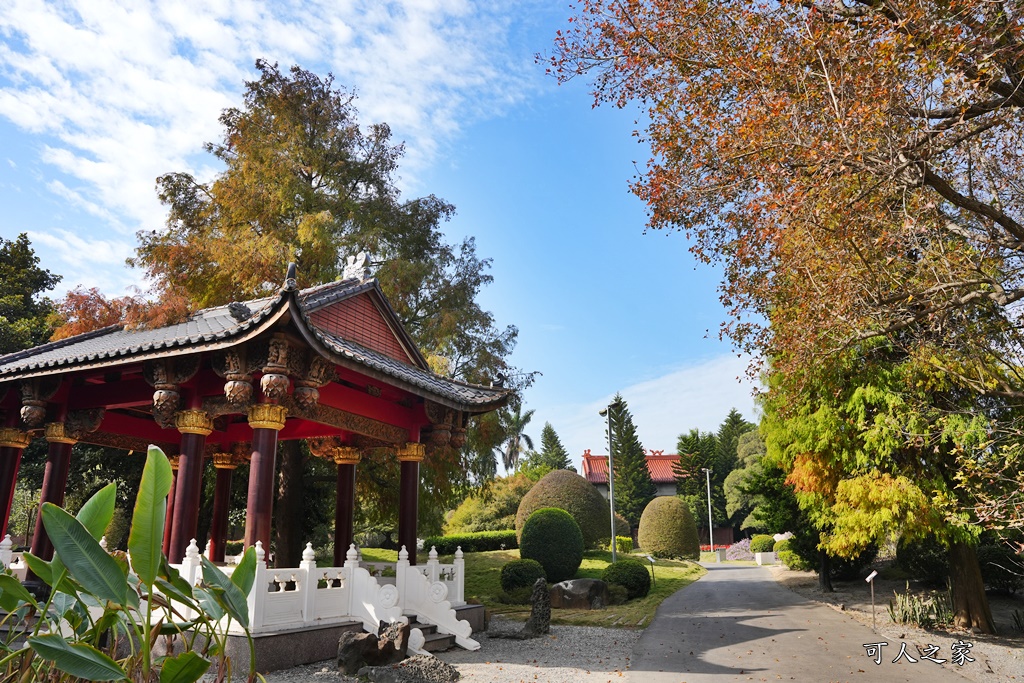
point(290, 282)
point(357, 267)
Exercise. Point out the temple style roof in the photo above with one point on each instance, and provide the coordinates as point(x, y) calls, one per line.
point(595, 467)
point(221, 327)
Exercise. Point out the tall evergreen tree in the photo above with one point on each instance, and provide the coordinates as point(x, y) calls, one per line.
point(24, 312)
point(697, 450)
point(552, 452)
point(633, 486)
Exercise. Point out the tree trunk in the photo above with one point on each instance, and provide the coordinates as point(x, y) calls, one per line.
point(288, 527)
point(970, 605)
point(824, 573)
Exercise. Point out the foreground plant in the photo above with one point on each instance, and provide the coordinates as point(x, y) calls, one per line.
point(103, 616)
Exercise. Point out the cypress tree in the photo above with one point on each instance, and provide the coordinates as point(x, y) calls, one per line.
point(552, 452)
point(633, 486)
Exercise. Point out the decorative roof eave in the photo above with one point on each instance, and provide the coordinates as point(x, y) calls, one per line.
point(263, 319)
point(316, 339)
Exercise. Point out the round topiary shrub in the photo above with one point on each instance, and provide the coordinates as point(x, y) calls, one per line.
point(574, 494)
point(631, 574)
point(762, 543)
point(552, 537)
point(667, 529)
point(520, 574)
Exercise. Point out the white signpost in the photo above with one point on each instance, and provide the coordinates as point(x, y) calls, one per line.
point(871, 582)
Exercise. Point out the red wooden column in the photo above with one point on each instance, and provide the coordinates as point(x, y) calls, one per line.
point(266, 420)
point(346, 458)
point(410, 457)
point(13, 442)
point(55, 479)
point(225, 463)
point(173, 460)
point(195, 426)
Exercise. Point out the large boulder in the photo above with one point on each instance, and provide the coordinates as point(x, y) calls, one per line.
point(579, 594)
point(358, 650)
point(574, 494)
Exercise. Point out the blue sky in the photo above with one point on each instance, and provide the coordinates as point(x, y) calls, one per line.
point(99, 97)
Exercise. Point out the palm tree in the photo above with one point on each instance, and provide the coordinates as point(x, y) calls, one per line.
point(513, 425)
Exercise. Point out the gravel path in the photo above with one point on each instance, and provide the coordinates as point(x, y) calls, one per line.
point(569, 654)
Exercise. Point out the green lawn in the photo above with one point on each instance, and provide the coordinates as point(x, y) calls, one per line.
point(483, 584)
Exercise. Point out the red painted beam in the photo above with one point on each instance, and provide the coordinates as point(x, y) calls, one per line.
point(143, 428)
point(360, 403)
point(125, 394)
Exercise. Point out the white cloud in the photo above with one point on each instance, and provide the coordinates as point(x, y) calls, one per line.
point(126, 90)
point(85, 261)
point(698, 395)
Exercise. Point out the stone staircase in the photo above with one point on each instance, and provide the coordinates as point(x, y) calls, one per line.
point(433, 641)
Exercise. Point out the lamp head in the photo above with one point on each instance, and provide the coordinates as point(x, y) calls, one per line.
point(603, 412)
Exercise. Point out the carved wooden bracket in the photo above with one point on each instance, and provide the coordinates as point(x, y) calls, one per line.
point(75, 427)
point(274, 382)
point(34, 395)
point(166, 376)
point(441, 423)
point(332, 448)
point(236, 366)
point(310, 372)
point(350, 422)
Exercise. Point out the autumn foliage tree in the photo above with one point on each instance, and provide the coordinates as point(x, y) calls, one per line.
point(303, 181)
point(854, 167)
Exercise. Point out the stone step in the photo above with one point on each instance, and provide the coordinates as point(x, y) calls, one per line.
point(432, 640)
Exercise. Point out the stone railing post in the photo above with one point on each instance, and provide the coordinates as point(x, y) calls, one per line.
point(258, 595)
point(351, 565)
point(307, 577)
point(402, 582)
point(5, 551)
point(459, 597)
point(433, 566)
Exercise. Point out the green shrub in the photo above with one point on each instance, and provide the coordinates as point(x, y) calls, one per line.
point(782, 545)
point(233, 547)
point(492, 509)
point(623, 544)
point(617, 594)
point(762, 543)
point(574, 494)
point(520, 574)
point(667, 529)
point(631, 574)
point(552, 537)
point(1001, 569)
point(926, 560)
point(793, 561)
point(472, 543)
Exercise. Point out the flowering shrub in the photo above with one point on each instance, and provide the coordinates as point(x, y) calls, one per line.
point(739, 551)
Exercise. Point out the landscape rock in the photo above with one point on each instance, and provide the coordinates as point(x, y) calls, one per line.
point(418, 669)
point(579, 594)
point(539, 622)
point(352, 650)
point(359, 650)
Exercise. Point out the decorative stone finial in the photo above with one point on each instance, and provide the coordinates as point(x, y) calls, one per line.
point(403, 554)
point(352, 554)
point(103, 543)
point(308, 555)
point(433, 553)
point(458, 553)
point(290, 281)
point(261, 554)
point(192, 551)
point(356, 267)
point(6, 544)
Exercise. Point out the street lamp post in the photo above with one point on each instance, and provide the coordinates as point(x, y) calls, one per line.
point(607, 413)
point(711, 531)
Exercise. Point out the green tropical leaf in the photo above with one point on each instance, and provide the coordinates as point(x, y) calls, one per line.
point(245, 572)
point(95, 516)
point(185, 668)
point(209, 603)
point(86, 561)
point(147, 532)
point(78, 659)
point(13, 595)
point(230, 596)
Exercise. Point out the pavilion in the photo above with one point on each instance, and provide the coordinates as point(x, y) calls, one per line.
point(331, 364)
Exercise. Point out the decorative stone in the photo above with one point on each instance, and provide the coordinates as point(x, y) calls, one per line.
point(14, 438)
point(192, 551)
point(418, 669)
point(193, 422)
point(356, 267)
point(539, 622)
point(308, 555)
point(261, 554)
point(579, 594)
point(267, 416)
point(352, 651)
point(351, 555)
point(358, 650)
point(274, 386)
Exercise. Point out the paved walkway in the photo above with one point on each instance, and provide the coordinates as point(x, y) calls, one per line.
point(737, 624)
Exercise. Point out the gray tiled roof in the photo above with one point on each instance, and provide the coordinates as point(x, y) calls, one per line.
point(208, 325)
point(213, 325)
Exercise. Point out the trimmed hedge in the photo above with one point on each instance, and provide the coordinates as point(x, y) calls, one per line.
point(552, 537)
point(762, 543)
point(574, 494)
point(479, 541)
point(667, 529)
point(520, 574)
point(623, 544)
point(631, 574)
